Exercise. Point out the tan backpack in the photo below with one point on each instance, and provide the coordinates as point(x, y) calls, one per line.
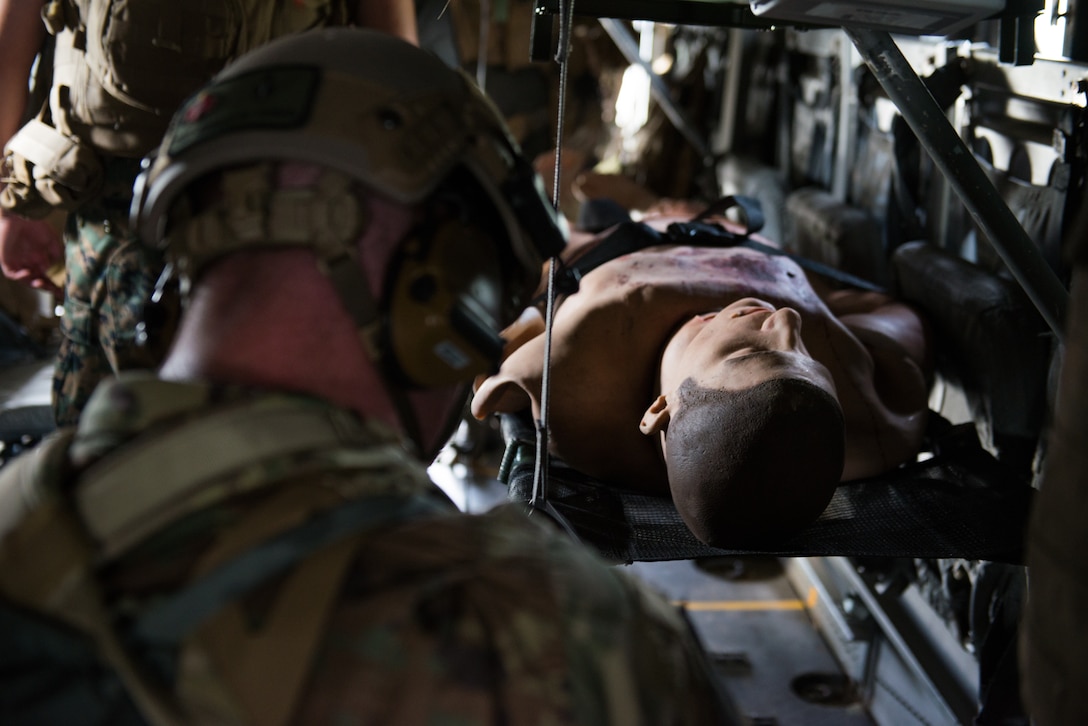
point(120, 69)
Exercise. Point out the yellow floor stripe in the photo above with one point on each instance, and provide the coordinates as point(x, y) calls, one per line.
point(740, 605)
point(749, 605)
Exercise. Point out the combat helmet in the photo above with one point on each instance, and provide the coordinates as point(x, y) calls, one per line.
point(396, 120)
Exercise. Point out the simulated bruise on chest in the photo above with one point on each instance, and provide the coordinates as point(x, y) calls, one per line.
point(728, 273)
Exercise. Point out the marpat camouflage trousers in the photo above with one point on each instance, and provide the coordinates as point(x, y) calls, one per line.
point(110, 278)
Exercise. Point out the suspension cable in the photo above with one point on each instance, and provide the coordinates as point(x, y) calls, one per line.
point(540, 472)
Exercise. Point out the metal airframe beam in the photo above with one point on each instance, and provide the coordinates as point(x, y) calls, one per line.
point(964, 174)
point(660, 92)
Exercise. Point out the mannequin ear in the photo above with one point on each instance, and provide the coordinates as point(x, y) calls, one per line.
point(656, 418)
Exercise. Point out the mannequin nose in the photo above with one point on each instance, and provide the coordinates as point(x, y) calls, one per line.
point(785, 322)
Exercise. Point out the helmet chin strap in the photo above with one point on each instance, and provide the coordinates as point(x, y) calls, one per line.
point(351, 285)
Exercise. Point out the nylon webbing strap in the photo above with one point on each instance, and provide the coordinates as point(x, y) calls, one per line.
point(631, 237)
point(628, 237)
point(354, 291)
point(171, 621)
point(355, 294)
point(699, 233)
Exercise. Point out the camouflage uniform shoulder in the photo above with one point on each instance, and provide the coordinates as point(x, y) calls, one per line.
point(136, 403)
point(123, 407)
point(205, 445)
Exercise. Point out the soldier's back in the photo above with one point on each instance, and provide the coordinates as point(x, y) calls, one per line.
point(498, 618)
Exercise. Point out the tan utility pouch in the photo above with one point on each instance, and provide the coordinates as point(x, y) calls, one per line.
point(46, 170)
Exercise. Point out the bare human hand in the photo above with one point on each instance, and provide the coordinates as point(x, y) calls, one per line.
point(29, 250)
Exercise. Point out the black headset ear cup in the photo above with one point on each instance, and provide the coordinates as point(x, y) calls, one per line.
point(445, 306)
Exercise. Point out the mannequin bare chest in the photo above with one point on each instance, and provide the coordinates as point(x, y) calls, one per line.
point(661, 286)
point(608, 338)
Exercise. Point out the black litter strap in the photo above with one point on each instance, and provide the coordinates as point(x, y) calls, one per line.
point(958, 504)
point(629, 236)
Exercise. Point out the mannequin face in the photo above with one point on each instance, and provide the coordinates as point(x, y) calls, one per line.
point(746, 343)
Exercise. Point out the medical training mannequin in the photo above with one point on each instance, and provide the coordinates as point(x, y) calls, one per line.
point(844, 377)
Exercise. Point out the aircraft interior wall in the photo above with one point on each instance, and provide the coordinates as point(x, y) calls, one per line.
point(800, 119)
